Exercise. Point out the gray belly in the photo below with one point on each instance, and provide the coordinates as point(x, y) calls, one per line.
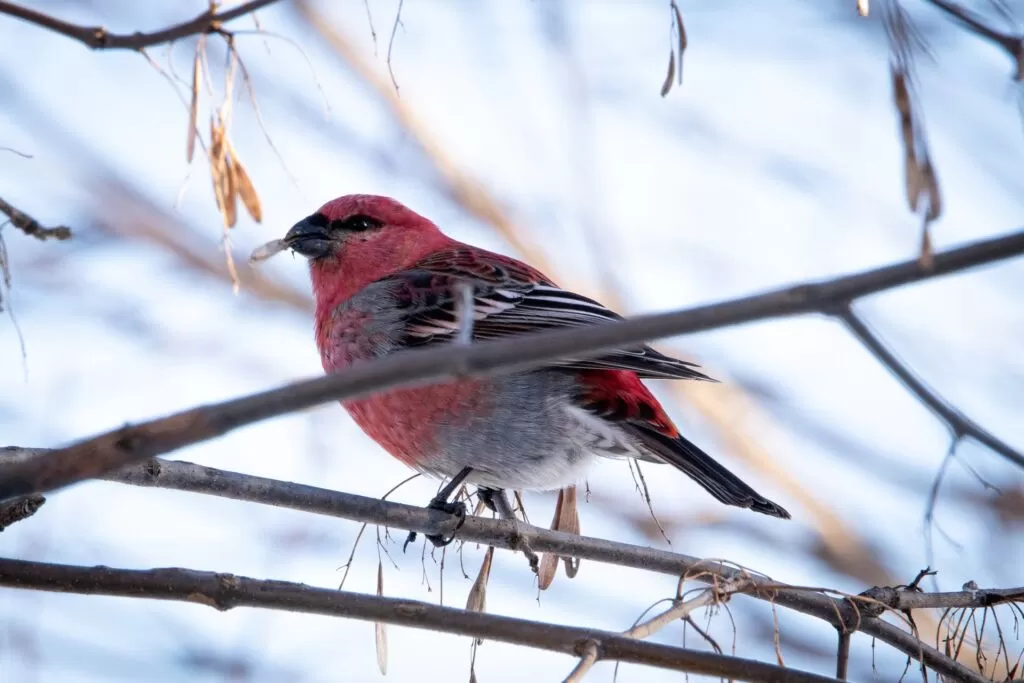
point(526, 437)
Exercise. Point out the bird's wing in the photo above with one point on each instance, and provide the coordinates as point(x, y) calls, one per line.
point(510, 298)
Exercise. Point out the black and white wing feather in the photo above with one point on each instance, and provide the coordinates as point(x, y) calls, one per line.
point(508, 300)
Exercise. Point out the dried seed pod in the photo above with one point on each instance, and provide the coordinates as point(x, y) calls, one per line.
point(265, 251)
point(193, 109)
point(381, 635)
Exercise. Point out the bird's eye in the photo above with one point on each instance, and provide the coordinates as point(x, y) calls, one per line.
point(357, 223)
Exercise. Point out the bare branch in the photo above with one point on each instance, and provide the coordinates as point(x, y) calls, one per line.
point(14, 151)
point(903, 598)
point(226, 591)
point(957, 422)
point(30, 226)
point(843, 654)
point(681, 609)
point(1014, 45)
point(99, 38)
point(587, 661)
point(839, 613)
point(18, 509)
point(105, 452)
point(933, 498)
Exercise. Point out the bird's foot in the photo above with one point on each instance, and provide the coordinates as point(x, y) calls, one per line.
point(455, 508)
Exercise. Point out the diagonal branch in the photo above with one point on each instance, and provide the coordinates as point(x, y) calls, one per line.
point(30, 226)
point(589, 655)
point(226, 591)
point(839, 613)
point(1014, 45)
point(108, 451)
point(958, 423)
point(99, 38)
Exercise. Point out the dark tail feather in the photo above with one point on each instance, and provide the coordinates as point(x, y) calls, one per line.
point(702, 468)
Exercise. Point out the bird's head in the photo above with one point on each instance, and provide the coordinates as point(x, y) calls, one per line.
point(351, 222)
point(354, 240)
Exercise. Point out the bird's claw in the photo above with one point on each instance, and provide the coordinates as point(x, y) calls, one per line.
point(456, 508)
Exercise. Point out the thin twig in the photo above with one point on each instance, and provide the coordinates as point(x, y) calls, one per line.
point(391, 42)
point(590, 654)
point(842, 654)
point(14, 151)
point(683, 608)
point(183, 476)
point(958, 423)
point(1014, 45)
point(646, 493)
point(226, 591)
point(369, 20)
point(933, 498)
point(99, 38)
point(105, 452)
point(30, 226)
point(302, 53)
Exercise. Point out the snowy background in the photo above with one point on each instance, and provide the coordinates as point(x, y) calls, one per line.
point(776, 161)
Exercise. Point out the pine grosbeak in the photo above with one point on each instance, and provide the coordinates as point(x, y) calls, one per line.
point(387, 279)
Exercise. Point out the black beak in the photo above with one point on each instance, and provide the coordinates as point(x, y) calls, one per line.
point(309, 237)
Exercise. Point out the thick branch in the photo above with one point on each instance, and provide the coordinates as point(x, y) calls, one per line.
point(841, 614)
point(225, 591)
point(958, 423)
point(105, 452)
point(30, 226)
point(99, 38)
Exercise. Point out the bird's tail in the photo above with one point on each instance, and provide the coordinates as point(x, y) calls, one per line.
point(703, 469)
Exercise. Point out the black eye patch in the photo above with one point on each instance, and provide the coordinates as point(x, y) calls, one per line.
point(356, 223)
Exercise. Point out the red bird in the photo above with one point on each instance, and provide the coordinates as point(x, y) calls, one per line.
point(386, 279)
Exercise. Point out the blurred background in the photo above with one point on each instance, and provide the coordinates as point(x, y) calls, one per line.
point(536, 129)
